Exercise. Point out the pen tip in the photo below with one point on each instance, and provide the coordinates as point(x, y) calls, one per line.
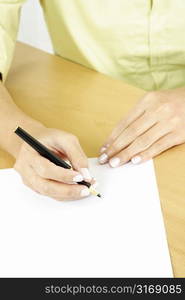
point(99, 195)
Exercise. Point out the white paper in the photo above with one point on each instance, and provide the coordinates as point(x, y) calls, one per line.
point(119, 235)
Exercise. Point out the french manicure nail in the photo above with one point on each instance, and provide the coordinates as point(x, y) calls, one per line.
point(86, 174)
point(135, 160)
point(85, 192)
point(103, 158)
point(114, 162)
point(78, 178)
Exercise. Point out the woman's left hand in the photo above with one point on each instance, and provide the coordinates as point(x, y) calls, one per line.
point(155, 124)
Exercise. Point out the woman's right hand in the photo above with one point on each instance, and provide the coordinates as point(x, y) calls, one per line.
point(46, 178)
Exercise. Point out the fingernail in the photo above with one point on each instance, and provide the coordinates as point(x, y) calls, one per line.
point(114, 162)
point(85, 192)
point(103, 149)
point(86, 174)
point(103, 158)
point(78, 178)
point(135, 160)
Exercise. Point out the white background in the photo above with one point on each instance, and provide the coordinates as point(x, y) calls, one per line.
point(32, 28)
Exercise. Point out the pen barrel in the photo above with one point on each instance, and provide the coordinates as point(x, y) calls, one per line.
point(57, 161)
point(84, 183)
point(41, 149)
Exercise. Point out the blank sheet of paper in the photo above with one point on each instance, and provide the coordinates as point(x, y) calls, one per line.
point(119, 235)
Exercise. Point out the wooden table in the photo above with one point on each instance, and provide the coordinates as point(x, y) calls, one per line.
point(65, 95)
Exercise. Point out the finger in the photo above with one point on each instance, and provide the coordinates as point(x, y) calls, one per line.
point(122, 125)
point(76, 155)
point(142, 143)
point(48, 170)
point(61, 191)
point(54, 189)
point(137, 128)
point(160, 146)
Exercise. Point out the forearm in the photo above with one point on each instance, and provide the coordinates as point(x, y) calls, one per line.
point(11, 117)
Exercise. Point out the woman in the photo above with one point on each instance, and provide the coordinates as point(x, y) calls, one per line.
point(139, 41)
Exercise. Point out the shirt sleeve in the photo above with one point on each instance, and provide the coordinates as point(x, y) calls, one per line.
point(9, 23)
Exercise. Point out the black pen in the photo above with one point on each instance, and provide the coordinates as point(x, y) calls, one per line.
point(51, 156)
